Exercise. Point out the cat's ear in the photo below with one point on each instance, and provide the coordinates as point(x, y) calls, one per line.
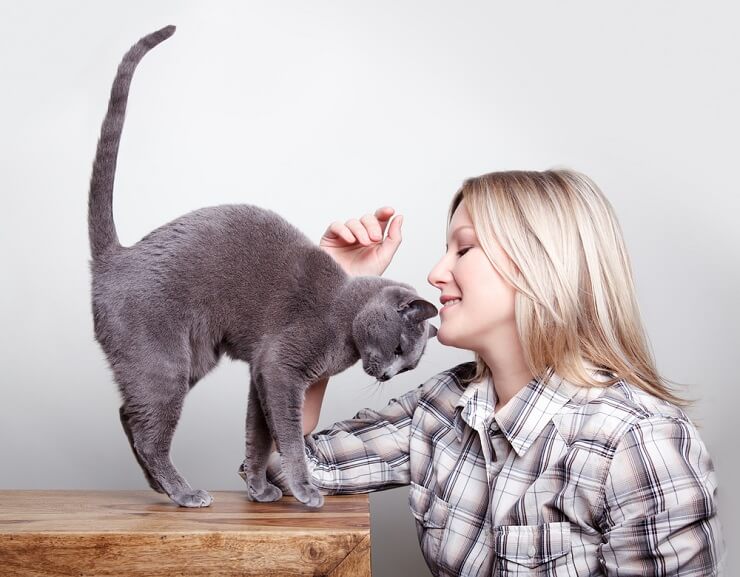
point(432, 332)
point(417, 310)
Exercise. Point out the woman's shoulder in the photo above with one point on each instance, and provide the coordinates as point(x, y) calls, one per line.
point(603, 417)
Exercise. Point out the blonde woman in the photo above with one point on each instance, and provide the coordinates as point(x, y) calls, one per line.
point(560, 450)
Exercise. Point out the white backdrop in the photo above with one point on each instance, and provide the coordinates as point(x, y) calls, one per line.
point(324, 111)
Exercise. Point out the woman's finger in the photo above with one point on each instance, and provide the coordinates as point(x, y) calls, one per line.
point(338, 229)
point(358, 230)
point(372, 226)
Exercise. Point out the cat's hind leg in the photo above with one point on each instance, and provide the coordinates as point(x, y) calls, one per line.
point(127, 429)
point(150, 419)
point(258, 441)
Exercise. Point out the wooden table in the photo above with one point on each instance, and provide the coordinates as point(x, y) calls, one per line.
point(143, 533)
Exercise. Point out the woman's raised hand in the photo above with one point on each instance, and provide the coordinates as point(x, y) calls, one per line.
point(358, 245)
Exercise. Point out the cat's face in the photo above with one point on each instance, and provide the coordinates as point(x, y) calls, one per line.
point(391, 332)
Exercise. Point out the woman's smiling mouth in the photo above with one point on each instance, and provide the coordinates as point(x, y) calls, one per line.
point(449, 304)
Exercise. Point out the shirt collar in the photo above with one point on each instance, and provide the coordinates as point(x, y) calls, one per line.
point(476, 405)
point(522, 418)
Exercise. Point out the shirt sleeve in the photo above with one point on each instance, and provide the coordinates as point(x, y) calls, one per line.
point(660, 514)
point(369, 452)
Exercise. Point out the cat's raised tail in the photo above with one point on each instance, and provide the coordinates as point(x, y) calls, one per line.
point(102, 229)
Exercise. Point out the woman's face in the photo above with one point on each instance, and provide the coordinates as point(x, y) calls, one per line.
point(486, 307)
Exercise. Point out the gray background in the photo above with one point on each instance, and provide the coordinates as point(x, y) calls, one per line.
point(324, 111)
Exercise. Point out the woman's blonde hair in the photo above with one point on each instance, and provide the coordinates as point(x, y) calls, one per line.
point(575, 303)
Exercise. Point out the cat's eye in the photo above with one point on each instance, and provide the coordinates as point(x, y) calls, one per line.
point(398, 352)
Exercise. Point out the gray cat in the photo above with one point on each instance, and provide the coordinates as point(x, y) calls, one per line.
point(236, 280)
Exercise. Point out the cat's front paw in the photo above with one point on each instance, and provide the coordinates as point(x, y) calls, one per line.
point(309, 495)
point(196, 498)
point(265, 494)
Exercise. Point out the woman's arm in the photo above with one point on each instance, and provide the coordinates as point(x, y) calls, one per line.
point(312, 405)
point(369, 452)
point(660, 511)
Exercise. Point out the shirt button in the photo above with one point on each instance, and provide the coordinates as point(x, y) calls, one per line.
point(531, 551)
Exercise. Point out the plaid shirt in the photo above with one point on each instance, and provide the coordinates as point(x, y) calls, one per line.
point(561, 481)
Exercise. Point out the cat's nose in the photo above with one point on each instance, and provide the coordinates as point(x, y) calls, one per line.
point(383, 377)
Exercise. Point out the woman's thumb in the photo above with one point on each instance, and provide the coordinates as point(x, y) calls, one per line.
point(392, 240)
point(394, 230)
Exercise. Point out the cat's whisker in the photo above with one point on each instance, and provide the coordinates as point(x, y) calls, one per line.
point(374, 382)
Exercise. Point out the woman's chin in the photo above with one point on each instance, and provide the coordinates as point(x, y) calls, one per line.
point(450, 338)
point(443, 337)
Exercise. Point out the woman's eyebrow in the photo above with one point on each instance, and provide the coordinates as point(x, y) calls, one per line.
point(456, 230)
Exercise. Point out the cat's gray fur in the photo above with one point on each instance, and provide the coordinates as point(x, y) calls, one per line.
point(236, 280)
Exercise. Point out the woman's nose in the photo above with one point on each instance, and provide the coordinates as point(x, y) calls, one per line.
point(438, 275)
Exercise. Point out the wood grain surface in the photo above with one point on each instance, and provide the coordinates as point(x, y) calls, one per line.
point(143, 533)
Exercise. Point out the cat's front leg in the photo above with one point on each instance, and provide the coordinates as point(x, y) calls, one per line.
point(282, 392)
point(258, 441)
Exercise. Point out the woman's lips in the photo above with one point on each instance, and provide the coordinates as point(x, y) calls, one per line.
point(449, 306)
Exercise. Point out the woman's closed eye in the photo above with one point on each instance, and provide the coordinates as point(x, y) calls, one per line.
point(463, 251)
